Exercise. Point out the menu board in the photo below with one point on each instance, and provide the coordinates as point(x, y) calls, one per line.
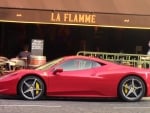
point(37, 47)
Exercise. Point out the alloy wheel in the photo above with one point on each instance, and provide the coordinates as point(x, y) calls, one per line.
point(132, 88)
point(31, 88)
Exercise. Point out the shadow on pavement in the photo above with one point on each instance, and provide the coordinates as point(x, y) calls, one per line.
point(75, 99)
point(64, 99)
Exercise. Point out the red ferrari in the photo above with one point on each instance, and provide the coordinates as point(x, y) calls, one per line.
point(78, 76)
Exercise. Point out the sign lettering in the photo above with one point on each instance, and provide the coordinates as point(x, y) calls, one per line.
point(73, 18)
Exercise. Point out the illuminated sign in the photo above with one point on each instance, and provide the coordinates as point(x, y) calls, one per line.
point(73, 18)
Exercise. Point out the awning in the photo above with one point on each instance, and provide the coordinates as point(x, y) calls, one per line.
point(106, 13)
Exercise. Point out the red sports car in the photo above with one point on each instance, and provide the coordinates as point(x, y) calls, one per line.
point(78, 76)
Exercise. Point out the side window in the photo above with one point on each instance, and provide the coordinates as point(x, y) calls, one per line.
point(96, 64)
point(69, 65)
point(78, 64)
point(87, 64)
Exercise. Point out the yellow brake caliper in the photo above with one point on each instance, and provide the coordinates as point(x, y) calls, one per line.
point(126, 89)
point(37, 86)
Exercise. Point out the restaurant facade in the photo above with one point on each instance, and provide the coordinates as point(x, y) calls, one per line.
point(108, 13)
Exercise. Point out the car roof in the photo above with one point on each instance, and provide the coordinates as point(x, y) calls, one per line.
point(87, 58)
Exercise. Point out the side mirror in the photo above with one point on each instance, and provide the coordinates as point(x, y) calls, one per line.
point(57, 71)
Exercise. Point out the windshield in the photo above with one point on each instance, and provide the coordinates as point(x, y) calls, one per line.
point(49, 64)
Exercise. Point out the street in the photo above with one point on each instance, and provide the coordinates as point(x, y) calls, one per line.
point(49, 105)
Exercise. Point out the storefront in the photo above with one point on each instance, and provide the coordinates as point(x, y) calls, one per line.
point(84, 14)
point(105, 13)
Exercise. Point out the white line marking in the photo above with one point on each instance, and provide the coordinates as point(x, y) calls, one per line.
point(144, 107)
point(30, 106)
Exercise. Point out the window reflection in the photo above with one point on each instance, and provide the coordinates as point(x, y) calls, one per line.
point(78, 64)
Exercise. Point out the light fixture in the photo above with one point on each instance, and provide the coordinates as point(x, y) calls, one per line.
point(126, 20)
point(18, 14)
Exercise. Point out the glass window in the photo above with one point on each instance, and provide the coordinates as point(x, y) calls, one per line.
point(69, 65)
point(96, 64)
point(78, 64)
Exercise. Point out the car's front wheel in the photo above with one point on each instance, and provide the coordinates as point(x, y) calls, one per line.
point(131, 89)
point(31, 88)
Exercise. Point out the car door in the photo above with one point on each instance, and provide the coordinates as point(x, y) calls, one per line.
point(77, 79)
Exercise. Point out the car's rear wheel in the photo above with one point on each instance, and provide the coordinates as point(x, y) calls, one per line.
point(31, 88)
point(131, 88)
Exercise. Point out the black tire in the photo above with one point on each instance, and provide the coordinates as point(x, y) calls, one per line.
point(31, 88)
point(131, 89)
